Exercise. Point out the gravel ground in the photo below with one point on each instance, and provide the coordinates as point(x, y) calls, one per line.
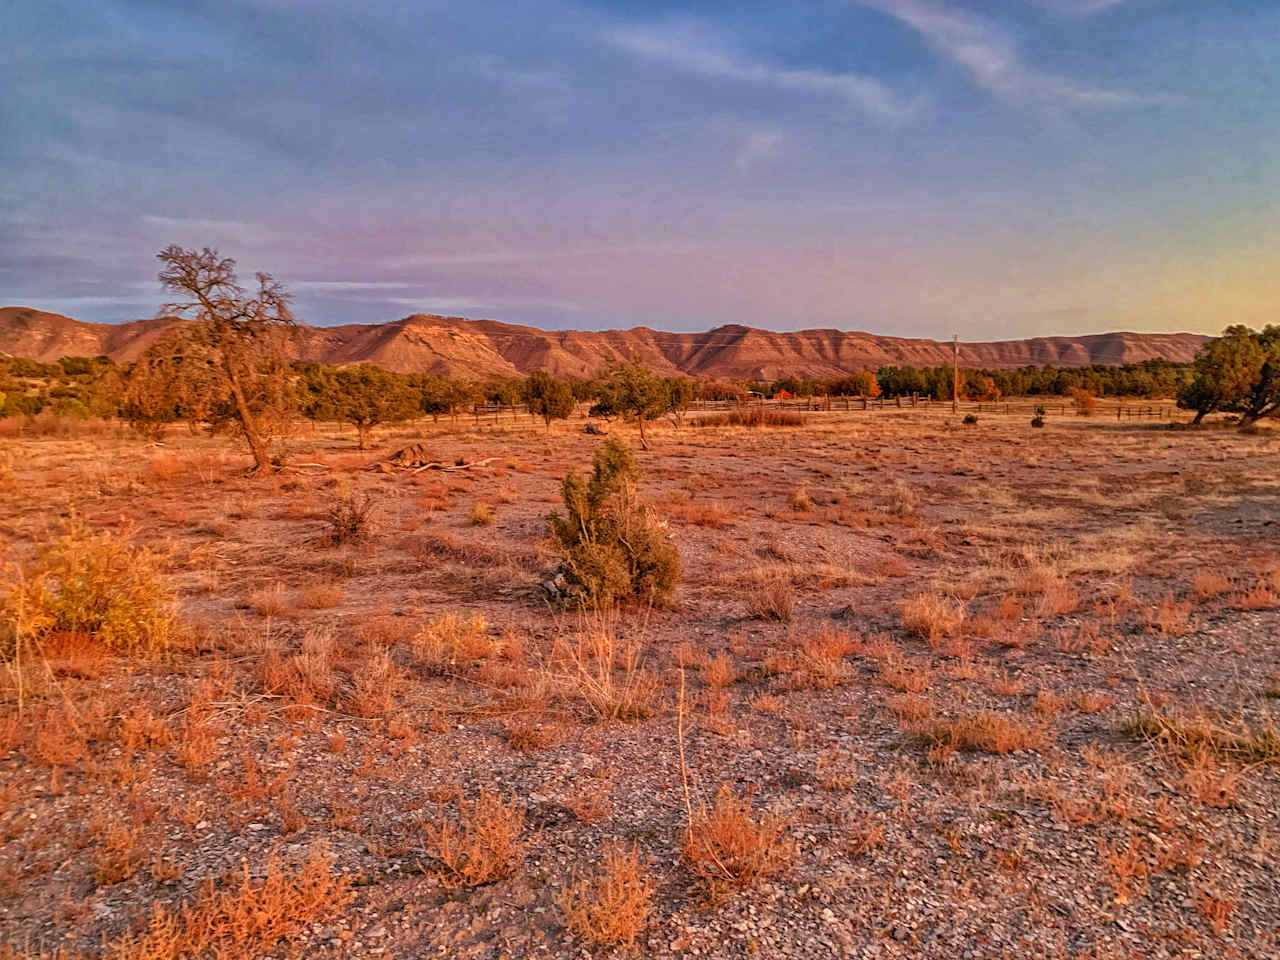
point(1087, 840)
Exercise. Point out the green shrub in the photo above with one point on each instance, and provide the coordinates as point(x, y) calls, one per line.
point(97, 585)
point(614, 548)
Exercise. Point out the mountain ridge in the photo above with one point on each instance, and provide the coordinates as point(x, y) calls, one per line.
point(458, 347)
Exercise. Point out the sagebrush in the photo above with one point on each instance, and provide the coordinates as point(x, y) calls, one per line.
point(98, 586)
point(613, 546)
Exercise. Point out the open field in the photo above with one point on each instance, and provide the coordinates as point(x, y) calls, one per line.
point(925, 690)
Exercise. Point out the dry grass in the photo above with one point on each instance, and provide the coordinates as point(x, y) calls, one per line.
point(606, 674)
point(453, 637)
point(1190, 736)
point(1056, 597)
point(728, 846)
point(703, 513)
point(933, 615)
point(719, 671)
point(321, 596)
point(1171, 618)
point(1208, 585)
point(480, 844)
point(902, 500)
point(482, 515)
point(271, 601)
point(611, 905)
point(774, 598)
point(800, 501)
point(754, 416)
point(989, 731)
point(375, 679)
point(244, 919)
point(1259, 597)
point(119, 854)
point(822, 658)
point(95, 585)
point(350, 518)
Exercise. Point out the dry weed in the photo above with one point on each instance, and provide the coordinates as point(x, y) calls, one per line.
point(480, 844)
point(607, 674)
point(933, 615)
point(611, 905)
point(728, 846)
point(482, 515)
point(774, 598)
point(96, 585)
point(270, 601)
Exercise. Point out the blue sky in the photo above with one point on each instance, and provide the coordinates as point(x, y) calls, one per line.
point(913, 167)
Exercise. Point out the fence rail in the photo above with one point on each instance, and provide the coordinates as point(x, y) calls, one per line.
point(1119, 408)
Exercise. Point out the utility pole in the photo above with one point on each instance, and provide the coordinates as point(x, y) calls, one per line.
point(955, 373)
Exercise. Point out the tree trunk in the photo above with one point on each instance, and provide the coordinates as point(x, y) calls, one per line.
point(261, 458)
point(364, 431)
point(1199, 416)
point(644, 445)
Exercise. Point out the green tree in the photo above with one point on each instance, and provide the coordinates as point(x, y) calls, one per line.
point(240, 334)
point(547, 397)
point(1237, 373)
point(680, 392)
point(862, 384)
point(1263, 397)
point(457, 395)
point(504, 392)
point(363, 395)
point(633, 391)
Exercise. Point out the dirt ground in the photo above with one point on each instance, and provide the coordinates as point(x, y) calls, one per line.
point(1002, 692)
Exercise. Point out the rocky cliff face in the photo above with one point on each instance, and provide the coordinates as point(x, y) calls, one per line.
point(454, 346)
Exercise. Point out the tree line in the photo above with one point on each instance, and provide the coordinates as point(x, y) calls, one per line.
point(171, 384)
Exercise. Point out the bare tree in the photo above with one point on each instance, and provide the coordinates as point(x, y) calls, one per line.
point(240, 334)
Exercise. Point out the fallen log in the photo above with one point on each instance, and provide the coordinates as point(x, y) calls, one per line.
point(450, 467)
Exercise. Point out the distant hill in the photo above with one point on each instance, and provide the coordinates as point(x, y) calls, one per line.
point(454, 346)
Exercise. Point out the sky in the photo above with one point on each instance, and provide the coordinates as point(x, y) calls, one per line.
point(1008, 168)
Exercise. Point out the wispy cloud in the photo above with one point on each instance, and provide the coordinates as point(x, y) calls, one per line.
point(436, 303)
point(217, 231)
point(683, 48)
point(991, 56)
point(489, 257)
point(342, 286)
point(420, 296)
point(758, 147)
point(1079, 8)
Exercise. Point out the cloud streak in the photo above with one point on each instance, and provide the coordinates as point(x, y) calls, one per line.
point(1079, 8)
point(682, 48)
point(991, 57)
